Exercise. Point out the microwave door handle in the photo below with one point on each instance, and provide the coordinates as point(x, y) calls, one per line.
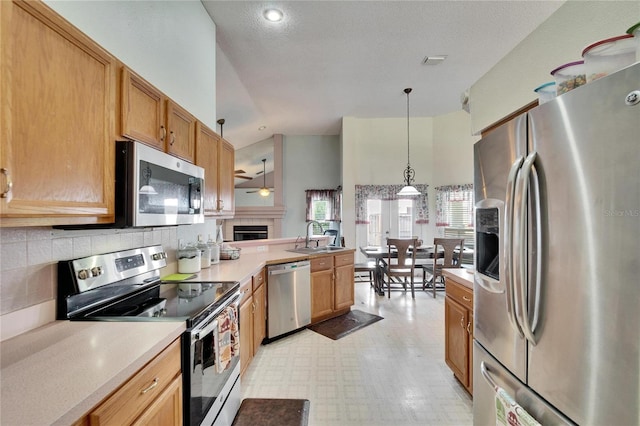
point(508, 242)
point(523, 181)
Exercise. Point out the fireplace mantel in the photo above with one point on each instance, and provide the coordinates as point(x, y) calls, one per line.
point(260, 212)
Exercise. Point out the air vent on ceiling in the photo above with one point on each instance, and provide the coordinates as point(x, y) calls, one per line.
point(434, 60)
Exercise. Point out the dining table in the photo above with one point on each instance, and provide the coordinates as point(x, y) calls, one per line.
point(380, 253)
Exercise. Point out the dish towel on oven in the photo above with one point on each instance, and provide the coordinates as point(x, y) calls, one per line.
point(223, 350)
point(509, 413)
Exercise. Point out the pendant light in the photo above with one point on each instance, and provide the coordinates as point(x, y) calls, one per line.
point(264, 191)
point(409, 173)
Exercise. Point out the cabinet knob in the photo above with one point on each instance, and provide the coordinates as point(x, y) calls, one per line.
point(163, 133)
point(153, 385)
point(469, 328)
point(173, 138)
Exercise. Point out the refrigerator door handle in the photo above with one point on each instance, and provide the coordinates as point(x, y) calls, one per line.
point(487, 376)
point(523, 189)
point(508, 243)
point(536, 198)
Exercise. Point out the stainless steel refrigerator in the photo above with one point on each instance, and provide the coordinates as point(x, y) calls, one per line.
point(557, 283)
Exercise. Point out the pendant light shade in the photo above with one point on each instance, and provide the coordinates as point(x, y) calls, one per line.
point(409, 173)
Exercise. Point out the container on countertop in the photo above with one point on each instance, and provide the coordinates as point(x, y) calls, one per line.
point(205, 253)
point(188, 259)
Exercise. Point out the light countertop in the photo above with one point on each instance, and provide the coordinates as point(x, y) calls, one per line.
point(460, 275)
point(57, 373)
point(250, 264)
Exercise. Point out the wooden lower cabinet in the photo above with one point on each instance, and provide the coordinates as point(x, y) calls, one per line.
point(332, 286)
point(252, 314)
point(458, 309)
point(151, 396)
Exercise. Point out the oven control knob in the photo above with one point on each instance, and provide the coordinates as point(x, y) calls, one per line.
point(83, 274)
point(159, 256)
point(96, 270)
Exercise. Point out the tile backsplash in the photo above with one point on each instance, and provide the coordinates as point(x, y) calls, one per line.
point(29, 256)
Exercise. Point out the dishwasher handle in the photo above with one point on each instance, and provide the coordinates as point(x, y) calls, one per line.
point(286, 268)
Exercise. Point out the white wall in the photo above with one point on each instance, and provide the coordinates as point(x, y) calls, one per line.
point(171, 44)
point(453, 149)
point(309, 162)
point(509, 85)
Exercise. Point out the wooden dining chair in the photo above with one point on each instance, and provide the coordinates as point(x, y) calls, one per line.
point(401, 264)
point(448, 258)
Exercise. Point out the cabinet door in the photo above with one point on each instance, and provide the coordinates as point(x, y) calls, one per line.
point(226, 194)
point(246, 332)
point(207, 156)
point(321, 294)
point(259, 318)
point(181, 127)
point(142, 111)
point(57, 120)
point(166, 410)
point(344, 287)
point(456, 339)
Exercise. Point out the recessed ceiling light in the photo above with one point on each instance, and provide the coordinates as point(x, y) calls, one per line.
point(273, 15)
point(262, 128)
point(433, 59)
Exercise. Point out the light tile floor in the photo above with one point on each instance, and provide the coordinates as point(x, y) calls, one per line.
point(389, 373)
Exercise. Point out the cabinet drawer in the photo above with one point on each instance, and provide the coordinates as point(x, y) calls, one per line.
point(343, 259)
point(128, 402)
point(460, 293)
point(246, 288)
point(258, 279)
point(321, 263)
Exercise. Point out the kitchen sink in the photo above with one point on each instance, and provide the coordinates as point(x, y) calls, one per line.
point(314, 250)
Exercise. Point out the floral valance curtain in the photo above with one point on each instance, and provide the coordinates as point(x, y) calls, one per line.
point(445, 198)
point(390, 192)
point(333, 197)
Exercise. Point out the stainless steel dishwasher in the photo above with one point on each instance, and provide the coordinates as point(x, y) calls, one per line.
point(289, 297)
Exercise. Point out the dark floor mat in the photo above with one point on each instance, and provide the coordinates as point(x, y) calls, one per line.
point(338, 327)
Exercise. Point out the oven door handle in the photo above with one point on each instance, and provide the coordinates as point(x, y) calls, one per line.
point(199, 333)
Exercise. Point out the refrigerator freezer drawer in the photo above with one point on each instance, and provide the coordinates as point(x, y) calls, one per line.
point(484, 393)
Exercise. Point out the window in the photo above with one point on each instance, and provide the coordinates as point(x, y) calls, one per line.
point(454, 212)
point(323, 206)
point(384, 214)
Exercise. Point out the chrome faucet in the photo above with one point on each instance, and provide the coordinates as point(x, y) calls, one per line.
point(311, 222)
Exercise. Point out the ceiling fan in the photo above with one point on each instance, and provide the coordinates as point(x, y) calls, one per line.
point(240, 174)
point(264, 191)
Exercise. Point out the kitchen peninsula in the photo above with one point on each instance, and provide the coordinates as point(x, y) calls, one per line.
point(59, 373)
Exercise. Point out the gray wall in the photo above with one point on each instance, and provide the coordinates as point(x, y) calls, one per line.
point(309, 162)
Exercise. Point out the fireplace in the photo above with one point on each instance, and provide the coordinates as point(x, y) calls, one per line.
point(250, 232)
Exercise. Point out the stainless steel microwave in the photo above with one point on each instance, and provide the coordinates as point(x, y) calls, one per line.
point(156, 189)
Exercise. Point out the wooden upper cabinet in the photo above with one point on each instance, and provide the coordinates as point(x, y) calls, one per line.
point(142, 111)
point(149, 116)
point(217, 157)
point(226, 178)
point(207, 146)
point(181, 136)
point(57, 120)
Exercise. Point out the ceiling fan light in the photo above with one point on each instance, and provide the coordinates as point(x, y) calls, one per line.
point(264, 192)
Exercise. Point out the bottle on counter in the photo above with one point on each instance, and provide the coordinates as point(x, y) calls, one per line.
point(214, 249)
point(205, 253)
